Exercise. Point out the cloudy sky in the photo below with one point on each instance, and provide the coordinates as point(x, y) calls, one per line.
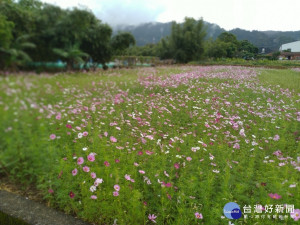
point(229, 14)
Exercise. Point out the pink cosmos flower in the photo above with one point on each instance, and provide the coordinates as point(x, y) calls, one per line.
point(106, 163)
point(140, 153)
point(274, 196)
point(58, 117)
point(132, 180)
point(276, 137)
point(117, 187)
point(135, 164)
point(80, 160)
point(93, 175)
point(91, 157)
point(152, 218)
point(105, 134)
point(236, 146)
point(277, 153)
point(113, 139)
point(296, 214)
point(127, 177)
point(68, 126)
point(93, 197)
point(98, 181)
point(242, 132)
point(166, 174)
point(85, 133)
point(149, 153)
point(74, 172)
point(144, 141)
point(198, 215)
point(86, 169)
point(117, 160)
point(52, 136)
point(141, 171)
point(189, 158)
point(115, 193)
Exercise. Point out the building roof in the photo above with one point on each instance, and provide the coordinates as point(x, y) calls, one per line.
point(294, 46)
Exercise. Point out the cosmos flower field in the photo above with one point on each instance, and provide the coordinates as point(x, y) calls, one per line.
point(165, 145)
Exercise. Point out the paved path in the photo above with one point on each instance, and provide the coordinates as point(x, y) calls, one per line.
point(32, 212)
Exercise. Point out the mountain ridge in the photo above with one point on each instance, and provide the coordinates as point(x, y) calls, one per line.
point(152, 32)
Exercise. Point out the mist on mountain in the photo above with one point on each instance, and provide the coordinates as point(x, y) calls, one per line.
point(152, 32)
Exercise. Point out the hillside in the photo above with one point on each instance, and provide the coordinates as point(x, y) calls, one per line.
point(153, 32)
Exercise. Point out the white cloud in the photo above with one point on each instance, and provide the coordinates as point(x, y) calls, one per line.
point(229, 14)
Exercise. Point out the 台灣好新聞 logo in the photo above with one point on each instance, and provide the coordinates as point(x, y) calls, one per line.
point(232, 211)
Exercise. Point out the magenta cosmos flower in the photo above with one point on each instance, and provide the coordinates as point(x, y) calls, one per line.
point(115, 193)
point(74, 172)
point(71, 194)
point(198, 215)
point(274, 196)
point(106, 163)
point(177, 166)
point(296, 214)
point(91, 157)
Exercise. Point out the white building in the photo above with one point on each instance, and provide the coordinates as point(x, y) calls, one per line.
point(294, 46)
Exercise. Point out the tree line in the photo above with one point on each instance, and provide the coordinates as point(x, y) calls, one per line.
point(187, 43)
point(34, 31)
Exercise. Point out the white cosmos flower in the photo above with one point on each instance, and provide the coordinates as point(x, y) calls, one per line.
point(93, 188)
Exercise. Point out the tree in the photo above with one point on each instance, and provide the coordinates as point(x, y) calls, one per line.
point(16, 53)
point(230, 44)
point(121, 42)
point(216, 49)
point(186, 40)
point(247, 50)
point(72, 33)
point(97, 43)
point(73, 55)
point(5, 38)
point(5, 32)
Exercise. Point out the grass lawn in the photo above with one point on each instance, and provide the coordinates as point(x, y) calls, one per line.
point(171, 145)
